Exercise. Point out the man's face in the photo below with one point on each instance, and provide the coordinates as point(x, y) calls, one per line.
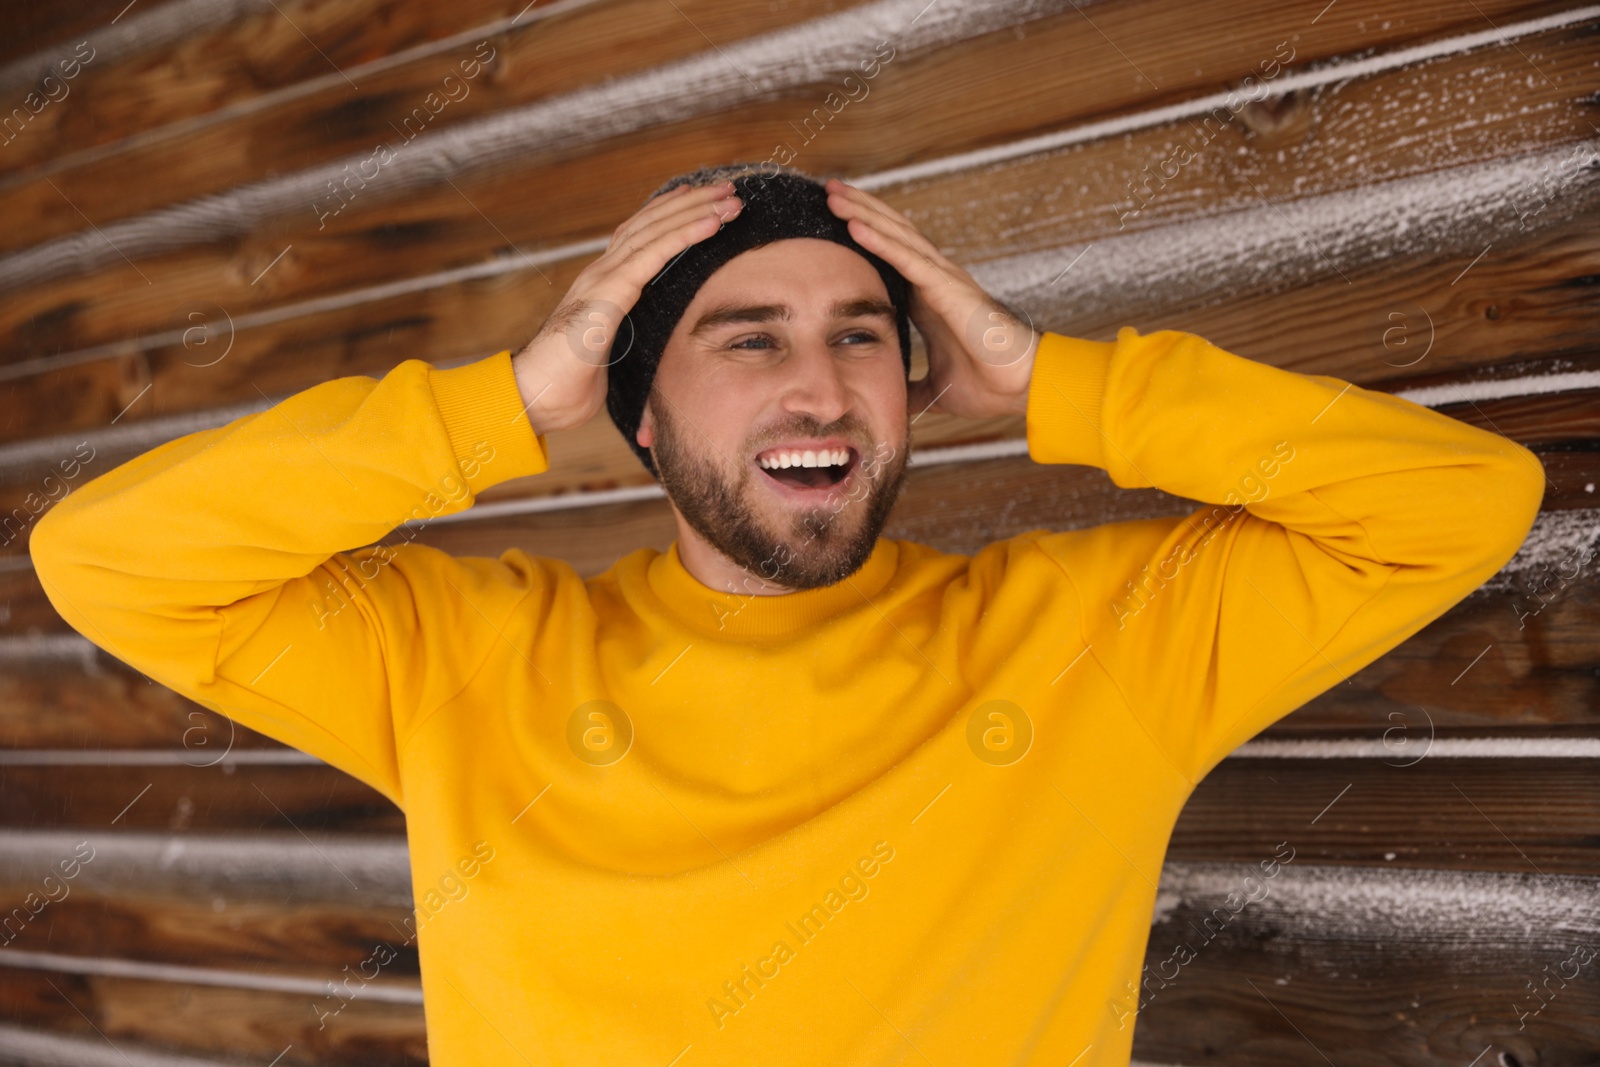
point(786, 348)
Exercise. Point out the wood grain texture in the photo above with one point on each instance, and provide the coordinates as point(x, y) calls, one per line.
point(309, 799)
point(1425, 894)
point(279, 867)
point(253, 118)
point(1365, 968)
point(49, 706)
point(1408, 809)
point(227, 69)
point(272, 936)
point(235, 1023)
point(1032, 204)
point(33, 28)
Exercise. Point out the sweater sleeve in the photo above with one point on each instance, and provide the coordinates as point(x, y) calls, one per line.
point(224, 564)
point(1337, 522)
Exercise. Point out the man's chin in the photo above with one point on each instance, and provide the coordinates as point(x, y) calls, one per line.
point(807, 552)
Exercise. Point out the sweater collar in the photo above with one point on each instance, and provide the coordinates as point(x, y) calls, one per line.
point(723, 614)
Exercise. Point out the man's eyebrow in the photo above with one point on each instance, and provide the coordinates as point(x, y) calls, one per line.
point(850, 308)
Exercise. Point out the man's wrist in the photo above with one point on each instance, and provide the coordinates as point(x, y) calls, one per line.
point(534, 390)
point(529, 390)
point(1019, 398)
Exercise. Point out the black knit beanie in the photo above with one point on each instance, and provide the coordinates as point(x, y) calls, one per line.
point(779, 203)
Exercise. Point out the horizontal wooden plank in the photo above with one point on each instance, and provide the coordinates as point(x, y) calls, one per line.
point(378, 238)
point(43, 705)
point(287, 936)
point(243, 797)
point(1573, 475)
point(304, 982)
point(1223, 37)
point(1481, 814)
point(34, 30)
point(22, 1046)
point(253, 98)
point(239, 1024)
point(1541, 420)
point(1321, 965)
point(184, 64)
point(368, 871)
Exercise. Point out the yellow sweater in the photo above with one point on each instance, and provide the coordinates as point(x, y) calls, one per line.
point(917, 816)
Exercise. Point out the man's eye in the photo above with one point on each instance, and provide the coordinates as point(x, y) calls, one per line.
point(867, 337)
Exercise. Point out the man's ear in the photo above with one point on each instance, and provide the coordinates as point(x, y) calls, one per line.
point(646, 434)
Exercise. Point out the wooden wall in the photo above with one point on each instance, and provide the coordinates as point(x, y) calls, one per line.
point(1409, 204)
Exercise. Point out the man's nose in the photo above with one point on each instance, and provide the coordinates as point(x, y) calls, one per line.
point(816, 383)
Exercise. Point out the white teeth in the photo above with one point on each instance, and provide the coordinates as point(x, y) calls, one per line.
point(807, 458)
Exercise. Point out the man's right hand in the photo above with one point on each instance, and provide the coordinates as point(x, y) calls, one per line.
point(562, 371)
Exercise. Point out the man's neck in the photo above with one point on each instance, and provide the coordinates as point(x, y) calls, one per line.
point(716, 571)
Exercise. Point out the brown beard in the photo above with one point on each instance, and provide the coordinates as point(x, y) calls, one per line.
point(819, 549)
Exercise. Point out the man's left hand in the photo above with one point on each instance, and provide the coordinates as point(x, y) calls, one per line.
point(980, 356)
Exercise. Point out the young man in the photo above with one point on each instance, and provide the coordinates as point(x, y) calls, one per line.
point(789, 792)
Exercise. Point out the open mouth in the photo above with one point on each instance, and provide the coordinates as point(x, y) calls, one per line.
point(830, 468)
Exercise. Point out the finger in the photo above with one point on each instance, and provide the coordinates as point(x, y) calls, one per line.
point(655, 205)
point(924, 272)
point(856, 194)
point(687, 209)
point(633, 230)
point(668, 203)
point(622, 273)
point(906, 249)
point(858, 203)
point(650, 210)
